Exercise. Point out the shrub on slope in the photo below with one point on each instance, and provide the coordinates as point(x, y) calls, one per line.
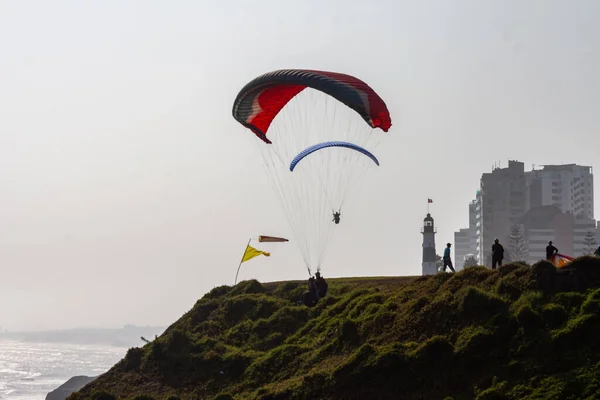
point(518, 332)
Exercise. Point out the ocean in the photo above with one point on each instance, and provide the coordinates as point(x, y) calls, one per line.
point(28, 371)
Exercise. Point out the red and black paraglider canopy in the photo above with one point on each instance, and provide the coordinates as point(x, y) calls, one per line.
point(259, 102)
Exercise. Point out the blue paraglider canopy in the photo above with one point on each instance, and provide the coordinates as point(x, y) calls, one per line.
point(324, 145)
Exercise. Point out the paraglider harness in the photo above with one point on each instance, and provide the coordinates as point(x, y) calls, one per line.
point(336, 217)
point(317, 288)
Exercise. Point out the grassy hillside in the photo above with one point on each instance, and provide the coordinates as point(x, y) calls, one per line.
point(519, 332)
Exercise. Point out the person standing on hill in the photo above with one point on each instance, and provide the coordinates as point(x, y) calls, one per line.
point(550, 251)
point(497, 254)
point(447, 259)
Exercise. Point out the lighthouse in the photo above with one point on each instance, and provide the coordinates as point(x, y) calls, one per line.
point(429, 255)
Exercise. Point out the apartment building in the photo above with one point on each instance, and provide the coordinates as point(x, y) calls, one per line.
point(553, 203)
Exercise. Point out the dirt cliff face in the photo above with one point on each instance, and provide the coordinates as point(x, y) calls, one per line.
point(518, 332)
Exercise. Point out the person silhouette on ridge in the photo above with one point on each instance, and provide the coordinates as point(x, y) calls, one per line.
point(550, 251)
point(447, 259)
point(497, 254)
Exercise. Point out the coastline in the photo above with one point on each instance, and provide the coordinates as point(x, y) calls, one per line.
point(33, 370)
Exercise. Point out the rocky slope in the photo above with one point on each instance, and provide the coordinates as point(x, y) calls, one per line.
point(70, 386)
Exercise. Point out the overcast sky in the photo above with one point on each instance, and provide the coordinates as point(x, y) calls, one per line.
point(127, 190)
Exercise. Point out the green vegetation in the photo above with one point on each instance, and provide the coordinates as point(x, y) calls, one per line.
point(519, 332)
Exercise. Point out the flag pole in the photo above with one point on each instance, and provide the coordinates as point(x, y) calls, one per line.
point(241, 261)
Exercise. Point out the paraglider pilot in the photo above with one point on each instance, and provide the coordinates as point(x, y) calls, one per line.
point(321, 285)
point(312, 287)
point(336, 217)
point(310, 298)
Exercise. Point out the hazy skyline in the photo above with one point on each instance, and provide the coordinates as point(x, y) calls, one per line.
point(128, 190)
